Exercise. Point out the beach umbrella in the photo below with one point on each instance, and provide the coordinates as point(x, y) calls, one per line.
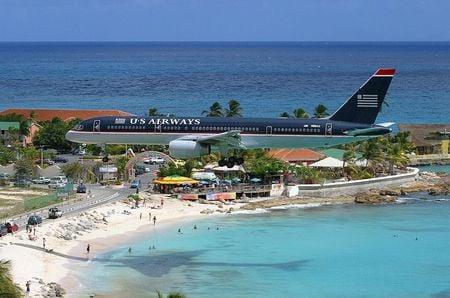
point(255, 180)
point(226, 181)
point(236, 179)
point(204, 182)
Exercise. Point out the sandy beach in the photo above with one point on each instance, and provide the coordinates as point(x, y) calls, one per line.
point(103, 228)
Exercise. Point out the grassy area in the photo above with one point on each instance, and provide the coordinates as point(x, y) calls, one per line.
point(16, 200)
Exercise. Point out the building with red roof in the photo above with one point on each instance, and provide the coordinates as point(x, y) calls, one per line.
point(298, 156)
point(66, 115)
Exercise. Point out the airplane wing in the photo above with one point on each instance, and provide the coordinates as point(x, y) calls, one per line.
point(230, 139)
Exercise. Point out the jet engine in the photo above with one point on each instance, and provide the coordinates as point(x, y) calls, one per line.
point(188, 149)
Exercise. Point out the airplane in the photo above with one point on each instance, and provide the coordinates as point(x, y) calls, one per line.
point(189, 137)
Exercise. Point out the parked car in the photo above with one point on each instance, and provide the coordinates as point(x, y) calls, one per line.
point(4, 178)
point(12, 227)
point(135, 183)
point(62, 179)
point(79, 151)
point(45, 162)
point(60, 159)
point(54, 213)
point(56, 184)
point(3, 230)
point(81, 188)
point(139, 169)
point(22, 183)
point(34, 220)
point(41, 180)
point(154, 160)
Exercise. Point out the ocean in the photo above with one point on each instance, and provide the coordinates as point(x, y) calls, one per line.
point(184, 79)
point(392, 250)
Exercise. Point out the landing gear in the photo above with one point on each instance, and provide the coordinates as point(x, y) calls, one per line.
point(231, 161)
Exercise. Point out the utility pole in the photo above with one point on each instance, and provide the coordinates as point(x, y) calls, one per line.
point(42, 155)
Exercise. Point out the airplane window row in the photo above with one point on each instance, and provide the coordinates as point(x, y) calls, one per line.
point(224, 128)
point(125, 127)
point(289, 129)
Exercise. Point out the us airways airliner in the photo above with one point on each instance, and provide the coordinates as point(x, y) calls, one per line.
point(196, 136)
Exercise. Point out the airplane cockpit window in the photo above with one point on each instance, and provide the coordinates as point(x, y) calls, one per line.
point(78, 127)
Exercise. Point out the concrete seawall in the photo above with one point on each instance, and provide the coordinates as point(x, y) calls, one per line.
point(351, 187)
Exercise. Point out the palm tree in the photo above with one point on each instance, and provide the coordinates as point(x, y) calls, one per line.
point(320, 111)
point(234, 109)
point(349, 156)
point(300, 113)
point(215, 110)
point(154, 112)
point(403, 139)
point(371, 152)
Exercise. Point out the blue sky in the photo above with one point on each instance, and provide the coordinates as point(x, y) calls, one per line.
point(224, 20)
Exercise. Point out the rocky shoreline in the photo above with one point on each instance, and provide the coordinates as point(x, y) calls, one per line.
point(432, 183)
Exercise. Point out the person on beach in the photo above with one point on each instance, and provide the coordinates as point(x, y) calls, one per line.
point(27, 285)
point(88, 248)
point(150, 216)
point(162, 203)
point(140, 216)
point(154, 220)
point(43, 243)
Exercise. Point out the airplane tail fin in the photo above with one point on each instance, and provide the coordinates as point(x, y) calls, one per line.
point(365, 103)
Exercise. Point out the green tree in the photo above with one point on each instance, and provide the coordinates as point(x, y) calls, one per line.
point(120, 163)
point(7, 287)
point(320, 111)
point(300, 113)
point(7, 155)
point(52, 134)
point(24, 166)
point(76, 171)
point(215, 110)
point(266, 166)
point(153, 112)
point(371, 151)
point(24, 125)
point(234, 109)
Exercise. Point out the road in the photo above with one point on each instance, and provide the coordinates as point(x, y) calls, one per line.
point(99, 195)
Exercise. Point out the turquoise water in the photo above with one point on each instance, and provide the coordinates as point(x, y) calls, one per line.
point(395, 250)
point(436, 168)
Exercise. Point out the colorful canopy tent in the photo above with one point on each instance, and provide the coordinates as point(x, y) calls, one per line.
point(175, 180)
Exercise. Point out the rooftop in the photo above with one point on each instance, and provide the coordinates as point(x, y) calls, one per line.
point(292, 155)
point(66, 115)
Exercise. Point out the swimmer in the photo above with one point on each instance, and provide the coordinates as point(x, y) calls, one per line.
point(195, 227)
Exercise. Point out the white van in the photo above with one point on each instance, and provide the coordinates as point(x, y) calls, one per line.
point(203, 176)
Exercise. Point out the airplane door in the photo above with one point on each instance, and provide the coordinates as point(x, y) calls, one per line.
point(269, 130)
point(329, 129)
point(96, 126)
